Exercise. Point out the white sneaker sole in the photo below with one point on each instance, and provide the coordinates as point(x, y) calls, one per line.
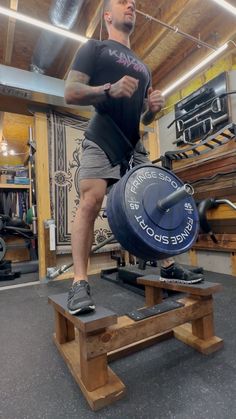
point(84, 310)
point(181, 281)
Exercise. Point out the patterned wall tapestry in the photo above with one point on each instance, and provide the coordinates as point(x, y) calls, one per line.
point(65, 138)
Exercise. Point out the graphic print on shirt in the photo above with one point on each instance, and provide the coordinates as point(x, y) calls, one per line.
point(128, 61)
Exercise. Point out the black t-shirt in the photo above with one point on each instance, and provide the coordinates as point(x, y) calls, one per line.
point(107, 62)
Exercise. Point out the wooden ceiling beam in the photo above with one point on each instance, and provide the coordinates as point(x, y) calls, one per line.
point(96, 19)
point(170, 13)
point(7, 53)
point(143, 25)
point(176, 64)
point(94, 22)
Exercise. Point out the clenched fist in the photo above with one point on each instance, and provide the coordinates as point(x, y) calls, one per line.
point(125, 87)
point(155, 100)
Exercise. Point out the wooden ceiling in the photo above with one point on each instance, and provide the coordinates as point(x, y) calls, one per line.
point(168, 54)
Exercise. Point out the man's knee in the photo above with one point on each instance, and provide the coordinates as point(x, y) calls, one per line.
point(91, 196)
point(91, 203)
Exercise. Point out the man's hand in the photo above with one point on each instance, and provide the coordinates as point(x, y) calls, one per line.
point(155, 100)
point(153, 104)
point(125, 87)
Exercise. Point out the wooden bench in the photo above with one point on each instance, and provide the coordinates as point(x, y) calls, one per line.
point(87, 342)
point(200, 332)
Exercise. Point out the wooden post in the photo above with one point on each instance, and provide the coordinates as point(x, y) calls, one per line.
point(64, 329)
point(1, 126)
point(94, 371)
point(42, 186)
point(200, 333)
point(193, 257)
point(153, 296)
point(233, 263)
point(151, 139)
point(203, 328)
point(9, 43)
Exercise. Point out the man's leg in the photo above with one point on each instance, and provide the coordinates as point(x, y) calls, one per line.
point(166, 263)
point(170, 270)
point(92, 192)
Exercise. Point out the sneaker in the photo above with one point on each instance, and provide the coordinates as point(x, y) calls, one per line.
point(176, 273)
point(196, 269)
point(79, 299)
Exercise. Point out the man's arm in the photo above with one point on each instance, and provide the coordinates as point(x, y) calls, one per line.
point(147, 117)
point(78, 92)
point(152, 105)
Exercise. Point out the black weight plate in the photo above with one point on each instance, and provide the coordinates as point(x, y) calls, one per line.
point(119, 224)
point(139, 225)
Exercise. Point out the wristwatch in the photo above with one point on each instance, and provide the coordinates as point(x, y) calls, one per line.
point(106, 89)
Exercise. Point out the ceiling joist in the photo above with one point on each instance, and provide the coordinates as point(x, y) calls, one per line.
point(166, 53)
point(7, 54)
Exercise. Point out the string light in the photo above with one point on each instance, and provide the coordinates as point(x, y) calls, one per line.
point(40, 24)
point(195, 69)
point(227, 6)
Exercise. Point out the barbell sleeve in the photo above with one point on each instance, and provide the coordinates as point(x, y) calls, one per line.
point(175, 197)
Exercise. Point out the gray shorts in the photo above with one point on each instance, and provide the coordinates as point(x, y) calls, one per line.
point(94, 163)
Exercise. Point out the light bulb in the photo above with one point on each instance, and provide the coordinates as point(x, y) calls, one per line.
point(4, 146)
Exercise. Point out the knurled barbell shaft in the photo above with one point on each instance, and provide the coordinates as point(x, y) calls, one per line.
point(175, 197)
point(52, 273)
point(103, 243)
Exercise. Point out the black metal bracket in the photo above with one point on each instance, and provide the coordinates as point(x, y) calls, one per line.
point(221, 137)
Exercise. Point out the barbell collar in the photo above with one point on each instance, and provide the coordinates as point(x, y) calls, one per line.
point(174, 198)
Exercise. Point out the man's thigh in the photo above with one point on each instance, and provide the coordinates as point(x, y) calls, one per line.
point(94, 163)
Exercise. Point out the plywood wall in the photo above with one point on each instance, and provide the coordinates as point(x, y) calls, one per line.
point(16, 132)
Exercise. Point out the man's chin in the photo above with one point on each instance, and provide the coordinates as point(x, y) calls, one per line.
point(129, 27)
point(126, 27)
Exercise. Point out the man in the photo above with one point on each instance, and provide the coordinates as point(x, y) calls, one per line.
point(109, 76)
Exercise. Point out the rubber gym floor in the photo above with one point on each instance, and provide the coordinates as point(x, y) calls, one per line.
point(168, 380)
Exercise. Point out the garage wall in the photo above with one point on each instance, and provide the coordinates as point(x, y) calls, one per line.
point(221, 262)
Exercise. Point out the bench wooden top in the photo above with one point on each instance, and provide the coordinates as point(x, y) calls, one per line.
point(98, 319)
point(204, 288)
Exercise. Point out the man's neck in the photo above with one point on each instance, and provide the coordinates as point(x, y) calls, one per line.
point(121, 37)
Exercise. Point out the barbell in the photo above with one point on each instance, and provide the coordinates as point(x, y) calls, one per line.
point(151, 213)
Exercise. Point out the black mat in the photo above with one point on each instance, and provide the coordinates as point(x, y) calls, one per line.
point(23, 279)
point(167, 381)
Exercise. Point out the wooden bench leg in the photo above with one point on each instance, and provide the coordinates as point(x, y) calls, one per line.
point(203, 328)
point(94, 371)
point(153, 296)
point(65, 331)
point(99, 384)
point(200, 333)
